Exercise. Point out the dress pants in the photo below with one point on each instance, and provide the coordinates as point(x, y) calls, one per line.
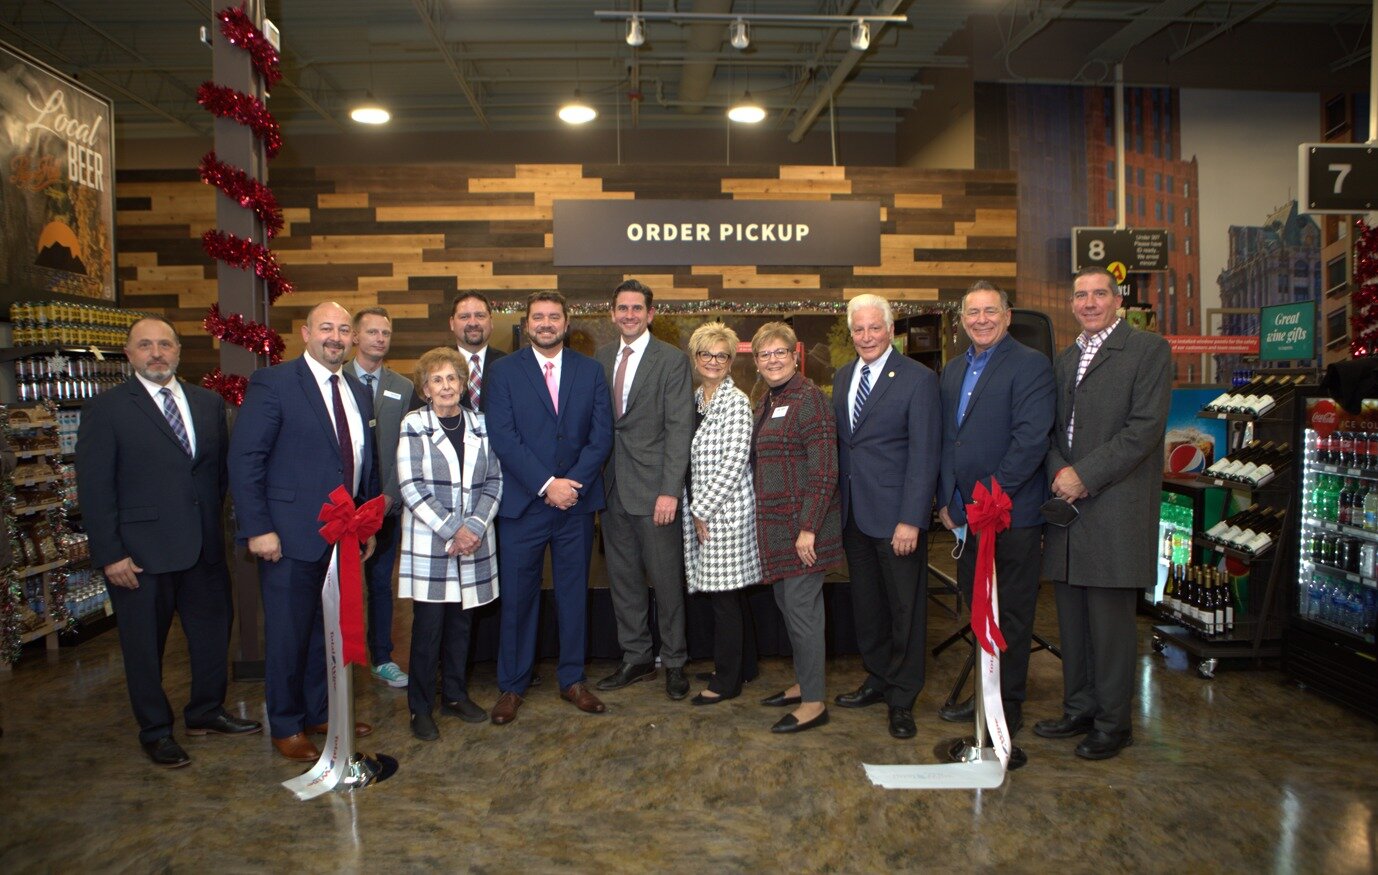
point(1100, 644)
point(201, 597)
point(730, 618)
point(1018, 556)
point(890, 607)
point(294, 643)
point(636, 550)
point(800, 599)
point(439, 639)
point(378, 577)
point(522, 543)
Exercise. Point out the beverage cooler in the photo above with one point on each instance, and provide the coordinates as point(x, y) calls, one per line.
point(1333, 600)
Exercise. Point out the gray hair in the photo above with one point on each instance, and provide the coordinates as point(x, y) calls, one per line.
point(986, 286)
point(862, 302)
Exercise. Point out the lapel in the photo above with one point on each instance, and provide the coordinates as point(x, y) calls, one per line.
point(535, 373)
point(202, 419)
point(1114, 342)
point(567, 374)
point(840, 411)
point(650, 359)
point(440, 443)
point(997, 360)
point(306, 380)
point(880, 382)
point(145, 403)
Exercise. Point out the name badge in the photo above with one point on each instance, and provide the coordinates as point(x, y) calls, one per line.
point(388, 393)
point(780, 412)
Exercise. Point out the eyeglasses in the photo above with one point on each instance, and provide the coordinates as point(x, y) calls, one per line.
point(766, 355)
point(721, 358)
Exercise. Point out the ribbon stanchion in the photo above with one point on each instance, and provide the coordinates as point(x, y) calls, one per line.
point(340, 766)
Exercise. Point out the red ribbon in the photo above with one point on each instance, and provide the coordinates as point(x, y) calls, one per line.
point(987, 515)
point(349, 528)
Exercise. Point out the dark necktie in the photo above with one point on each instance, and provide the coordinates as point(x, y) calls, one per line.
point(174, 419)
point(863, 391)
point(368, 382)
point(342, 434)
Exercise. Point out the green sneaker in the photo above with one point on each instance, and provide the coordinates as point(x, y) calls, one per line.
point(391, 674)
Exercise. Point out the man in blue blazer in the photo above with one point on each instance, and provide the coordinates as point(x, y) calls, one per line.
point(888, 439)
point(305, 429)
point(998, 405)
point(550, 422)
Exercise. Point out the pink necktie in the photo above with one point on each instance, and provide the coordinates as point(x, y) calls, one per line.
point(552, 386)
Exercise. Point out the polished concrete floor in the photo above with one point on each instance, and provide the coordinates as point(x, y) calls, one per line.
point(1243, 773)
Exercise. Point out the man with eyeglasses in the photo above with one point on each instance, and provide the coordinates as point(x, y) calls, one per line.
point(653, 423)
point(997, 411)
point(1114, 386)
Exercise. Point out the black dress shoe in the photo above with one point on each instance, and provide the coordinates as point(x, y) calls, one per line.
point(226, 724)
point(1103, 745)
point(628, 674)
point(788, 723)
point(902, 722)
point(465, 710)
point(860, 697)
point(676, 684)
point(166, 752)
point(1018, 759)
point(423, 727)
point(702, 699)
point(961, 712)
point(780, 700)
point(1066, 727)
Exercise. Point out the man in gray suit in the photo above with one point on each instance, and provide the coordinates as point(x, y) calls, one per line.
point(653, 423)
point(393, 397)
point(1114, 386)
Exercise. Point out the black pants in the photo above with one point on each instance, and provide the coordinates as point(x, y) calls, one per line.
point(890, 604)
point(730, 620)
point(1018, 555)
point(439, 640)
point(201, 597)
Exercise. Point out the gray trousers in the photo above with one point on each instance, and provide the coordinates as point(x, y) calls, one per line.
point(637, 549)
point(1100, 644)
point(800, 599)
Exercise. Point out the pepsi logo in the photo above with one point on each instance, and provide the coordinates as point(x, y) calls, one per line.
point(1186, 459)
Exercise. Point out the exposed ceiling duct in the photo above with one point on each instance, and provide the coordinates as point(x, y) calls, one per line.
point(695, 78)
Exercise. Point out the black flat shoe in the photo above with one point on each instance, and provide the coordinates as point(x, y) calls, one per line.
point(1066, 727)
point(902, 723)
point(860, 697)
point(780, 700)
point(465, 710)
point(226, 724)
point(1103, 745)
point(166, 752)
point(701, 699)
point(423, 727)
point(788, 724)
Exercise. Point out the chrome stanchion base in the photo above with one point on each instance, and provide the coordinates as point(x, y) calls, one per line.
point(364, 770)
point(965, 750)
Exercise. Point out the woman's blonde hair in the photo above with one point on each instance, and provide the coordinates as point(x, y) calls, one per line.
point(709, 334)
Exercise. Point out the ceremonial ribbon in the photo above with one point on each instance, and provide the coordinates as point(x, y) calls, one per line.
point(348, 528)
point(988, 514)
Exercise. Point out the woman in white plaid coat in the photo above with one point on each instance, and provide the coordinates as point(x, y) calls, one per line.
point(451, 487)
point(720, 552)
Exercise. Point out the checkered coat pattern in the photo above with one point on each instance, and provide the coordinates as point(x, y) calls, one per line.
point(723, 498)
point(796, 480)
point(437, 504)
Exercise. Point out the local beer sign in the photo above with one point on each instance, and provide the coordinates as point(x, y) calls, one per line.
point(56, 183)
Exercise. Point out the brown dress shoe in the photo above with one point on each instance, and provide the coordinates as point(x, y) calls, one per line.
point(583, 699)
point(297, 747)
point(361, 729)
point(505, 711)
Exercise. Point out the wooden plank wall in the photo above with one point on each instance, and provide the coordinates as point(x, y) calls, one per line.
point(409, 236)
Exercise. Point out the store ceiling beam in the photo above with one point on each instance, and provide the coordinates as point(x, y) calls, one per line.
point(431, 14)
point(840, 73)
point(1114, 49)
point(1220, 29)
point(1046, 13)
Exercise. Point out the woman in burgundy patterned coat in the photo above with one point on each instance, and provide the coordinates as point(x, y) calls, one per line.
point(798, 524)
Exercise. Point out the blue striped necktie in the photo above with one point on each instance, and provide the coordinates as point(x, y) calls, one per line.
point(174, 419)
point(862, 391)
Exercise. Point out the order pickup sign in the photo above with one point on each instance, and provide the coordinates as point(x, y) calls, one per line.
point(1337, 177)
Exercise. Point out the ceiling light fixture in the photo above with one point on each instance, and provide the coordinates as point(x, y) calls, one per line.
point(370, 113)
point(861, 35)
point(636, 32)
point(738, 35)
point(746, 111)
point(577, 112)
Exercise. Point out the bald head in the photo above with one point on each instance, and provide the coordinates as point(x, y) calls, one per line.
point(327, 334)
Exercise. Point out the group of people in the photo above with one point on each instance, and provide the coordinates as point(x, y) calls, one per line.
point(489, 461)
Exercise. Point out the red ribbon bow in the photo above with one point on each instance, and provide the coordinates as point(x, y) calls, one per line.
point(349, 527)
point(987, 515)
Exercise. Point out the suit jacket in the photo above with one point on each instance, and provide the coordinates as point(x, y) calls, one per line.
point(650, 449)
point(285, 459)
point(441, 497)
point(394, 398)
point(1004, 434)
point(1117, 451)
point(489, 357)
point(140, 495)
point(534, 444)
point(889, 464)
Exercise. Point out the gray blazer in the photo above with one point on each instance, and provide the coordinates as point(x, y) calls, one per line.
point(650, 450)
point(1117, 451)
point(393, 398)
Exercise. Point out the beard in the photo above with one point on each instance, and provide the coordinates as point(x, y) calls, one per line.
point(547, 341)
point(157, 373)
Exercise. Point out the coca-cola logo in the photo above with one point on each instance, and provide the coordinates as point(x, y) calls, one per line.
point(1324, 417)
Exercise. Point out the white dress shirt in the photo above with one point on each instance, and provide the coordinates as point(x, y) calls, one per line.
point(638, 348)
point(322, 375)
point(876, 367)
point(180, 398)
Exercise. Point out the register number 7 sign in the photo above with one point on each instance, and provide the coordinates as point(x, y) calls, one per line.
point(1337, 177)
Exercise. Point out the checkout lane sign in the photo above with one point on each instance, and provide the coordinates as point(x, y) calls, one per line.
point(1121, 251)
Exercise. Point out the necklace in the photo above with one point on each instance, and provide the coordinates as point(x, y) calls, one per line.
point(457, 426)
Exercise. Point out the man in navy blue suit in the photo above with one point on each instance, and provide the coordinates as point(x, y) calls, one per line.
point(888, 440)
point(549, 418)
point(305, 429)
point(998, 405)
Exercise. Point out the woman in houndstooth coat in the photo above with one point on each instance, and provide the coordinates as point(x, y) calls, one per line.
point(720, 553)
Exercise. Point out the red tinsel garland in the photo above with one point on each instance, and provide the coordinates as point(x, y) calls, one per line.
point(228, 386)
point(1363, 319)
point(248, 193)
point(241, 253)
point(240, 31)
point(245, 109)
point(253, 336)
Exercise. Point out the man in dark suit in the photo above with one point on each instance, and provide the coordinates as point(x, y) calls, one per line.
point(471, 320)
point(305, 429)
point(1114, 386)
point(550, 423)
point(653, 413)
point(888, 439)
point(151, 481)
point(393, 398)
point(997, 411)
